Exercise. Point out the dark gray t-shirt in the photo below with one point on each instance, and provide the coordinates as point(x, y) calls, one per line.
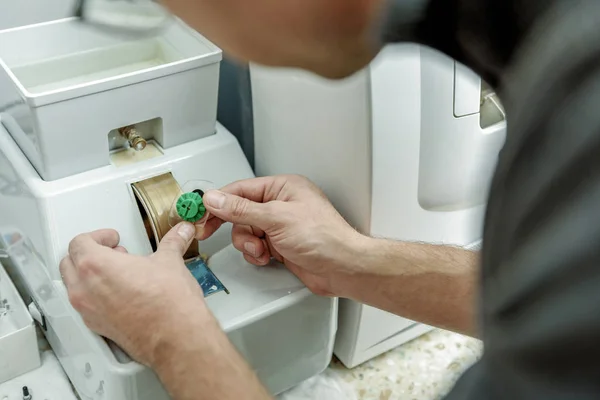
point(540, 305)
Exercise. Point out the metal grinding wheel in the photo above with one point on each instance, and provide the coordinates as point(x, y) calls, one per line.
point(156, 195)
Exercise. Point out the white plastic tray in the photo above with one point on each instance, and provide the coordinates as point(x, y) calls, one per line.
point(18, 341)
point(64, 59)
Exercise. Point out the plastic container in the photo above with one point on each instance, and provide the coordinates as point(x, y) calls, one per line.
point(66, 86)
point(18, 341)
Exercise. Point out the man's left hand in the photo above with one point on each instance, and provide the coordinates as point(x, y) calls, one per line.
point(138, 302)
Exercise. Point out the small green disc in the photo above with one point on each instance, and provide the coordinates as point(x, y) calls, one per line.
point(190, 207)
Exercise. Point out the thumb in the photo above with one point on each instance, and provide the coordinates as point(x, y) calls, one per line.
point(178, 239)
point(238, 210)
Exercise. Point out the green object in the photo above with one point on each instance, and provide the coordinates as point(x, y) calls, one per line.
point(190, 207)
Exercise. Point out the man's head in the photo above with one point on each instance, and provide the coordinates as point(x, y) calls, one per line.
point(333, 38)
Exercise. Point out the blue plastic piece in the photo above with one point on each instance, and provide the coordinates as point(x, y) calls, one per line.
point(207, 280)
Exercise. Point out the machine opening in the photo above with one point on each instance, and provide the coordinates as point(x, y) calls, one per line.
point(134, 143)
point(128, 136)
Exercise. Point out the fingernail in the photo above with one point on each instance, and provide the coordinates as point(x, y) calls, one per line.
point(215, 199)
point(186, 230)
point(250, 248)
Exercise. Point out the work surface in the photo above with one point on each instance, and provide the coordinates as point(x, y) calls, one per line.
point(424, 369)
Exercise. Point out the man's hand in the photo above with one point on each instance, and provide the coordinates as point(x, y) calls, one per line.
point(290, 219)
point(154, 309)
point(138, 302)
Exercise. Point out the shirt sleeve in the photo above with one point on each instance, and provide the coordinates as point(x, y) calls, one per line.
point(482, 34)
point(540, 307)
point(540, 301)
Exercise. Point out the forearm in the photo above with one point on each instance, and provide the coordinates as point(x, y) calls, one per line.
point(435, 285)
point(199, 362)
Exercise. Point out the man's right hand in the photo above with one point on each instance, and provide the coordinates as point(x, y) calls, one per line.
point(290, 219)
point(287, 218)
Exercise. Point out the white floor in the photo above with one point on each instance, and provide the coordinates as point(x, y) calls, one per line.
point(424, 369)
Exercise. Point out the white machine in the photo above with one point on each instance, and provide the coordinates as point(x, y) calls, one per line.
point(405, 149)
point(104, 132)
